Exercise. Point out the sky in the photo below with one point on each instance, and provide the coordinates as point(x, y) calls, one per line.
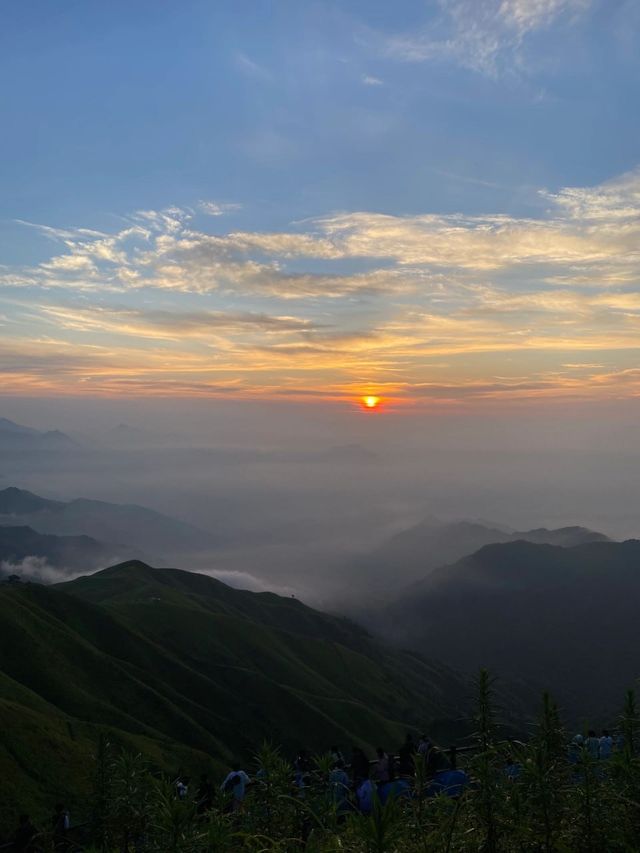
point(432, 201)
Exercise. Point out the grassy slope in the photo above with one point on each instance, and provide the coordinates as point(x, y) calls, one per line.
point(47, 756)
point(185, 668)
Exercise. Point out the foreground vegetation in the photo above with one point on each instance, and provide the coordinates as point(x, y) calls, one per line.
point(558, 800)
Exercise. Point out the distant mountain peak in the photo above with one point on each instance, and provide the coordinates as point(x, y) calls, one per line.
point(46, 557)
point(412, 554)
point(15, 501)
point(16, 429)
point(128, 566)
point(147, 531)
point(471, 526)
point(18, 436)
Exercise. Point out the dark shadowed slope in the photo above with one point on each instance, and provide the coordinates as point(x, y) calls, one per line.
point(564, 618)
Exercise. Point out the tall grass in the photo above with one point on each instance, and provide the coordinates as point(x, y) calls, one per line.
point(535, 796)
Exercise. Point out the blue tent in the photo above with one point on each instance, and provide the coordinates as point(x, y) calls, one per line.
point(449, 782)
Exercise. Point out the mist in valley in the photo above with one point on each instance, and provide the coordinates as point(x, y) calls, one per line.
point(293, 497)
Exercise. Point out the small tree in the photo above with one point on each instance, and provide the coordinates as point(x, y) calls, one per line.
point(102, 794)
point(130, 807)
point(489, 795)
point(544, 779)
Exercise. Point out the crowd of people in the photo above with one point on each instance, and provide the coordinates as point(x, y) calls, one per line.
point(354, 784)
point(357, 783)
point(597, 746)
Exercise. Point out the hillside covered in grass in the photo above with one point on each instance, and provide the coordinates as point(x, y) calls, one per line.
point(192, 673)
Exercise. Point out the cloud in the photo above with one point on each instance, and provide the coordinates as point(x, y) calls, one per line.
point(171, 325)
point(589, 236)
point(76, 264)
point(37, 569)
point(614, 202)
point(586, 365)
point(250, 68)
point(245, 580)
point(370, 80)
point(485, 36)
point(212, 208)
point(524, 16)
point(332, 304)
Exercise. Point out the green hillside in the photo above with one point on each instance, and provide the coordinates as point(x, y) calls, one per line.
point(192, 673)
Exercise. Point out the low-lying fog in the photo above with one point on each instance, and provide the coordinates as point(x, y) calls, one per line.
point(291, 492)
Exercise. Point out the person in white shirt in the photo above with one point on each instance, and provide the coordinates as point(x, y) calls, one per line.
point(606, 745)
point(236, 783)
point(424, 746)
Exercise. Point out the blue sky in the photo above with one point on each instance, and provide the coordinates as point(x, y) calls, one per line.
point(476, 127)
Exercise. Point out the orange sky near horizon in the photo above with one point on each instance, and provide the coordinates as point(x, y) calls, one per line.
point(442, 309)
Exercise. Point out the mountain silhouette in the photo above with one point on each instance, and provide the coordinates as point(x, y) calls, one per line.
point(563, 618)
point(145, 531)
point(411, 554)
point(15, 436)
point(25, 551)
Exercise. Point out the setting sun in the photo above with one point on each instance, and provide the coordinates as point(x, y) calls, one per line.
point(370, 402)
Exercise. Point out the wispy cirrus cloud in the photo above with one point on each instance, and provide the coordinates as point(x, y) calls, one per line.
point(614, 202)
point(172, 325)
point(250, 68)
point(486, 36)
point(213, 208)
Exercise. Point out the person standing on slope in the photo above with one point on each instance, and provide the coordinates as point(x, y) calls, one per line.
point(606, 745)
point(235, 784)
point(592, 745)
point(382, 769)
point(359, 767)
point(339, 782)
point(60, 823)
point(405, 757)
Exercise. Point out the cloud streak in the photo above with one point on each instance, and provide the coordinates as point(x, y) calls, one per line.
point(342, 302)
point(485, 36)
point(591, 234)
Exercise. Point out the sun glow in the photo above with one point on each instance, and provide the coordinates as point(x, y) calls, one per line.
point(370, 402)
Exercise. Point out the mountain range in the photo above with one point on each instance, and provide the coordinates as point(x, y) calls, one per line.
point(117, 526)
point(45, 557)
point(15, 436)
point(411, 554)
point(564, 618)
